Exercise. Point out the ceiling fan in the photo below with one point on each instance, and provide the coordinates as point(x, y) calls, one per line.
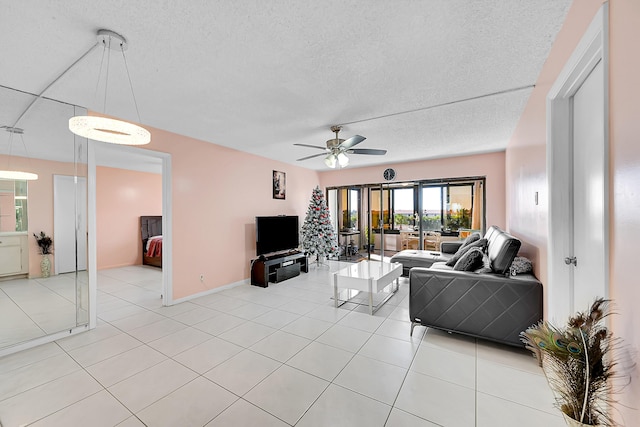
point(337, 149)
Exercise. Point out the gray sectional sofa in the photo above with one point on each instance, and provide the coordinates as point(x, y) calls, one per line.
point(490, 304)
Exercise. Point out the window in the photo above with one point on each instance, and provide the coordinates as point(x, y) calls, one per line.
point(450, 206)
point(403, 208)
point(350, 204)
point(432, 208)
point(459, 207)
point(446, 205)
point(378, 220)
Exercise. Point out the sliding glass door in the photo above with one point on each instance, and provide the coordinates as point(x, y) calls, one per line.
point(394, 216)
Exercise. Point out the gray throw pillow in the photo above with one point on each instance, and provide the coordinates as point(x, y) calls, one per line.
point(470, 261)
point(482, 244)
point(485, 267)
point(471, 238)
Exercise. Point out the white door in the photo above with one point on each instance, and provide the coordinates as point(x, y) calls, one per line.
point(588, 234)
point(70, 223)
point(578, 176)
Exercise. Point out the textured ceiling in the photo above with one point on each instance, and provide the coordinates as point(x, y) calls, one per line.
point(260, 75)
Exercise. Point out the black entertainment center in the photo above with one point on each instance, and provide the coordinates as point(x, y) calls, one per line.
point(277, 238)
point(277, 268)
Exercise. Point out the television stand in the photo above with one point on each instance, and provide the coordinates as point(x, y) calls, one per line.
point(277, 268)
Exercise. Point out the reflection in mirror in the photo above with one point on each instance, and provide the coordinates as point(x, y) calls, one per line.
point(13, 205)
point(32, 305)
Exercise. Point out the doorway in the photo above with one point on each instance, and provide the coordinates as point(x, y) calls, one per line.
point(141, 160)
point(577, 157)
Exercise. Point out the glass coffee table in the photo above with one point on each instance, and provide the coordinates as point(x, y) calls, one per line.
point(366, 276)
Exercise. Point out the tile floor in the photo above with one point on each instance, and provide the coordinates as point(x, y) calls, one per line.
point(279, 356)
point(31, 308)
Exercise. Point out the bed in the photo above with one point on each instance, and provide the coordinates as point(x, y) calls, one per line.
point(151, 233)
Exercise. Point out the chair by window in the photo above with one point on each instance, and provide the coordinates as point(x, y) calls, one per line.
point(432, 240)
point(409, 240)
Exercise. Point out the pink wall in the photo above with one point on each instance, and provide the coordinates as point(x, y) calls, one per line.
point(122, 196)
point(526, 172)
point(624, 123)
point(217, 193)
point(40, 204)
point(489, 165)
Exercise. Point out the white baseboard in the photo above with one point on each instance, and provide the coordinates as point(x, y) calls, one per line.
point(211, 291)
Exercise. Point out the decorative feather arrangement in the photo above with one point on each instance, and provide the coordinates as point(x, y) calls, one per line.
point(578, 363)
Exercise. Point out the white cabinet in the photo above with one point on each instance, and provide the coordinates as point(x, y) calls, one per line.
point(14, 254)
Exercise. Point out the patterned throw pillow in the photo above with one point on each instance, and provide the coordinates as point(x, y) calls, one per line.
point(471, 238)
point(482, 244)
point(470, 261)
point(520, 265)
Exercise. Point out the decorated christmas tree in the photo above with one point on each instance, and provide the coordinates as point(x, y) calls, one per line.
point(318, 235)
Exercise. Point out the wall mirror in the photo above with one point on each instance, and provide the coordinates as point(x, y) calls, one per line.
point(32, 305)
point(13, 206)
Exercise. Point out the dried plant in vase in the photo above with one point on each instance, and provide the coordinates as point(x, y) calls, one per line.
point(578, 363)
point(44, 242)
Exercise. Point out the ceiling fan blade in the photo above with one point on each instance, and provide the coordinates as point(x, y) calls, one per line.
point(354, 140)
point(373, 151)
point(311, 157)
point(311, 146)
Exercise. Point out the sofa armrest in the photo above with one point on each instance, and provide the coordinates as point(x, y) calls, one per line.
point(450, 247)
point(488, 306)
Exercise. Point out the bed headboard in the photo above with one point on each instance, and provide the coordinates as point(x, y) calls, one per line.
point(150, 226)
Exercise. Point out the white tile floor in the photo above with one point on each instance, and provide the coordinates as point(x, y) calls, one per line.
point(279, 356)
point(31, 308)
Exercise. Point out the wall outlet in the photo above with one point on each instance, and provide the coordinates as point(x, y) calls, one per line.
point(202, 277)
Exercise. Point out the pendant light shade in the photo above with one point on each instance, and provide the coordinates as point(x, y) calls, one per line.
point(18, 175)
point(109, 130)
point(105, 129)
point(12, 173)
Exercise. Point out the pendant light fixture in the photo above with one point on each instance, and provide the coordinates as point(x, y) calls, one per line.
point(10, 173)
point(106, 129)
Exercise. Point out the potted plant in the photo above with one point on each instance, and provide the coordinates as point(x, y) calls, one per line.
point(578, 364)
point(45, 243)
point(370, 239)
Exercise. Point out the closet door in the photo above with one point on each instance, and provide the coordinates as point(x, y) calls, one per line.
point(70, 223)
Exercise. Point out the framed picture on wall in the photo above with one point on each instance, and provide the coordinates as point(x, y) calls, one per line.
point(279, 185)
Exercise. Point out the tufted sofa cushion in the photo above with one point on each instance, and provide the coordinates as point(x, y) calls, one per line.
point(502, 249)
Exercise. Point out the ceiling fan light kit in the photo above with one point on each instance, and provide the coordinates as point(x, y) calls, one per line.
point(330, 161)
point(337, 149)
point(105, 129)
point(343, 160)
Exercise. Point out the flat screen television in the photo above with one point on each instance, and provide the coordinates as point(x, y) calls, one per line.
point(276, 234)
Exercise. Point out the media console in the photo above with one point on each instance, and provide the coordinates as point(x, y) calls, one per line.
point(277, 268)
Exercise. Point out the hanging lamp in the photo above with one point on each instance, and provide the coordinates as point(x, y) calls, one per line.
point(10, 173)
point(106, 129)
